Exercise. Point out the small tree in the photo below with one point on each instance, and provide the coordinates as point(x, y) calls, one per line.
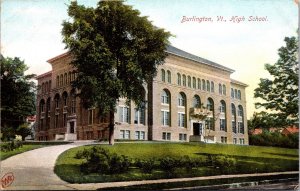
point(280, 94)
point(116, 52)
point(24, 131)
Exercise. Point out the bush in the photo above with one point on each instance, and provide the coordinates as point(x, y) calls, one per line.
point(168, 164)
point(189, 163)
point(147, 166)
point(10, 146)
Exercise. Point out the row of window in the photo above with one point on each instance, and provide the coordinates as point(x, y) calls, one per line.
point(46, 86)
point(235, 140)
point(192, 82)
point(139, 135)
point(124, 115)
point(236, 94)
point(65, 79)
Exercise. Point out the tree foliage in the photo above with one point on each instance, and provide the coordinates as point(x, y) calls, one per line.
point(17, 95)
point(280, 94)
point(116, 52)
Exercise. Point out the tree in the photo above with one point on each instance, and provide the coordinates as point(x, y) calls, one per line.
point(116, 53)
point(17, 95)
point(280, 94)
point(24, 131)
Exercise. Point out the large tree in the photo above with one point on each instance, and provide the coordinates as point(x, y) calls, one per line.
point(116, 52)
point(17, 95)
point(280, 93)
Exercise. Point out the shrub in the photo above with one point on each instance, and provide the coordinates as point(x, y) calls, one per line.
point(189, 163)
point(168, 164)
point(10, 146)
point(146, 166)
point(274, 139)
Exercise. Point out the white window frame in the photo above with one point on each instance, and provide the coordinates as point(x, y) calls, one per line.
point(124, 117)
point(165, 117)
point(181, 119)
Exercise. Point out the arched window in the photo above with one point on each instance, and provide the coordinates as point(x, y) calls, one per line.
point(196, 101)
point(210, 104)
point(183, 80)
point(61, 80)
point(203, 85)
point(163, 75)
point(212, 86)
point(73, 101)
point(48, 110)
point(56, 99)
point(43, 87)
point(239, 94)
point(49, 88)
point(209, 122)
point(232, 93)
point(57, 81)
point(46, 87)
point(169, 76)
point(189, 81)
point(224, 89)
point(235, 93)
point(181, 99)
point(241, 122)
point(65, 99)
point(207, 85)
point(233, 118)
point(222, 106)
point(194, 82)
point(70, 77)
point(178, 79)
point(220, 89)
point(42, 106)
point(165, 97)
point(66, 79)
point(199, 84)
point(48, 105)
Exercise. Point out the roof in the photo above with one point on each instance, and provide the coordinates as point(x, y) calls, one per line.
point(292, 129)
point(178, 52)
point(44, 75)
point(58, 57)
point(256, 131)
point(238, 82)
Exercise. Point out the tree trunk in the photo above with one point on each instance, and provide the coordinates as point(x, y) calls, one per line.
point(111, 127)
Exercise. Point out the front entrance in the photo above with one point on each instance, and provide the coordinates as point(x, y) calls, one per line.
point(197, 129)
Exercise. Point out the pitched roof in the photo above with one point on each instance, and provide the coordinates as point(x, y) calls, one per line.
point(178, 52)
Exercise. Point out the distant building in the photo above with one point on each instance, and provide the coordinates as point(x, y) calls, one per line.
point(257, 131)
point(290, 130)
point(184, 83)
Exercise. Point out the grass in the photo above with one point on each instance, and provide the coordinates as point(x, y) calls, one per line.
point(249, 159)
point(24, 148)
point(27, 146)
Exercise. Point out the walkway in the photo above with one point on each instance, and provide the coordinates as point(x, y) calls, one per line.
point(33, 170)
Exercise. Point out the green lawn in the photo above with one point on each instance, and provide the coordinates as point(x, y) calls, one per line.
point(249, 159)
point(24, 148)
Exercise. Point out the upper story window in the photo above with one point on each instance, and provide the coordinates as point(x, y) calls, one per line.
point(57, 81)
point(212, 86)
point(196, 101)
point(235, 93)
point(56, 98)
point(181, 99)
point(239, 94)
point(224, 89)
point(207, 85)
point(139, 116)
point(124, 114)
point(165, 99)
point(203, 85)
point(194, 82)
point(163, 75)
point(183, 80)
point(222, 107)
point(178, 79)
point(169, 76)
point(210, 104)
point(90, 116)
point(199, 84)
point(232, 93)
point(42, 106)
point(189, 81)
point(240, 111)
point(220, 89)
point(233, 112)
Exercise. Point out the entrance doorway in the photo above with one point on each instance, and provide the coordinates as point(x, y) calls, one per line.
point(197, 129)
point(72, 127)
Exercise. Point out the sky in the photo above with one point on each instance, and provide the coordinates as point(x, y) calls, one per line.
point(31, 30)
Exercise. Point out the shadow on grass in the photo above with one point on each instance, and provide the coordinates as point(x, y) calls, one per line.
point(282, 155)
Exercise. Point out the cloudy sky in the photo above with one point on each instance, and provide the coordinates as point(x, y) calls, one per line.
point(31, 30)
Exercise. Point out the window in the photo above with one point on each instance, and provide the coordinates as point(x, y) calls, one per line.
point(240, 111)
point(163, 75)
point(90, 116)
point(220, 89)
point(233, 124)
point(182, 137)
point(223, 139)
point(181, 119)
point(207, 85)
point(124, 134)
point(194, 82)
point(166, 136)
point(235, 93)
point(233, 110)
point(199, 84)
point(165, 97)
point(210, 104)
point(56, 121)
point(239, 94)
point(222, 125)
point(65, 119)
point(65, 100)
point(232, 93)
point(209, 123)
point(189, 81)
point(169, 76)
point(165, 118)
point(212, 86)
point(73, 104)
point(178, 79)
point(48, 109)
point(181, 100)
point(42, 106)
point(242, 141)
point(196, 101)
point(56, 98)
point(139, 116)
point(57, 81)
point(222, 107)
point(123, 114)
point(234, 140)
point(203, 85)
point(66, 79)
point(140, 135)
point(224, 89)
point(240, 127)
point(61, 80)
point(183, 80)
